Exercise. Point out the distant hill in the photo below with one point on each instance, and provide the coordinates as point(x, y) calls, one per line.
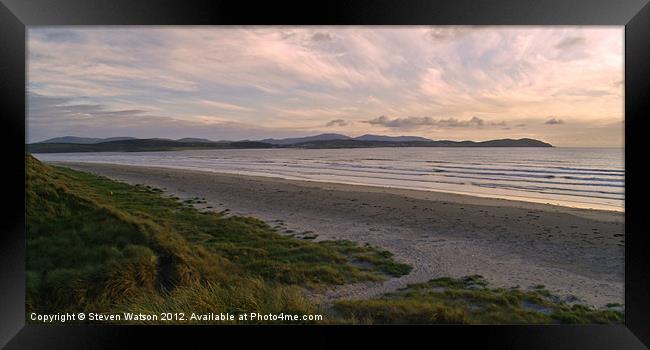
point(353, 143)
point(91, 140)
point(514, 143)
point(140, 145)
point(193, 139)
point(84, 140)
point(317, 141)
point(369, 137)
point(321, 137)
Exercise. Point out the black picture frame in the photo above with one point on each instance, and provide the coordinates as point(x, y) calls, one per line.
point(15, 15)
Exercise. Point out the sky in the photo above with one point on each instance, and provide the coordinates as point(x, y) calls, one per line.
point(562, 85)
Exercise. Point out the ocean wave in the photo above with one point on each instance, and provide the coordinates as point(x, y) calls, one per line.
point(535, 171)
point(617, 195)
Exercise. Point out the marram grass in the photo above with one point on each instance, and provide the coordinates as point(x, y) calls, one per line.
point(469, 300)
point(98, 245)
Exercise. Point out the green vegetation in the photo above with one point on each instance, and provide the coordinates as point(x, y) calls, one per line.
point(99, 245)
point(469, 300)
point(371, 256)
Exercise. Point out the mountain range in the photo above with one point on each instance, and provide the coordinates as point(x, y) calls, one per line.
point(333, 137)
point(130, 144)
point(286, 141)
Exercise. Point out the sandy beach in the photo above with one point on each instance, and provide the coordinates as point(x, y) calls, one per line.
point(573, 252)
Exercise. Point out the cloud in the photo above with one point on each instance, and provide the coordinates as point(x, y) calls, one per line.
point(572, 48)
point(554, 121)
point(583, 92)
point(47, 110)
point(223, 105)
point(319, 36)
point(56, 116)
point(58, 36)
point(416, 122)
point(445, 33)
point(571, 42)
point(336, 122)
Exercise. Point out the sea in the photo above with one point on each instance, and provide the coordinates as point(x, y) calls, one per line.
point(576, 177)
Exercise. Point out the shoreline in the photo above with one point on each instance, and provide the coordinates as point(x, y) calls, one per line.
point(437, 194)
point(572, 251)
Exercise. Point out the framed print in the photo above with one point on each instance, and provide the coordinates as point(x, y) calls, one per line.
point(459, 170)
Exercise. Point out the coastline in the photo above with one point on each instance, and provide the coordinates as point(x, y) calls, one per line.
point(571, 251)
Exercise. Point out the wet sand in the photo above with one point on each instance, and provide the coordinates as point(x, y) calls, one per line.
point(573, 252)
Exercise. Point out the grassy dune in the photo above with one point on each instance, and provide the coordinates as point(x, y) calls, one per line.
point(470, 300)
point(97, 245)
